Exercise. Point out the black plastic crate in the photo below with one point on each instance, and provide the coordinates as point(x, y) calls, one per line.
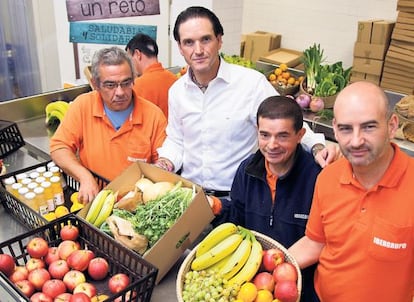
point(121, 259)
point(26, 215)
point(10, 138)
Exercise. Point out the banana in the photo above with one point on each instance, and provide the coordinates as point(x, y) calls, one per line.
point(218, 252)
point(56, 109)
point(215, 236)
point(237, 259)
point(106, 210)
point(96, 205)
point(251, 266)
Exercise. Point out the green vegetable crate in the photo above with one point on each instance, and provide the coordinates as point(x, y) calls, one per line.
point(121, 260)
point(25, 214)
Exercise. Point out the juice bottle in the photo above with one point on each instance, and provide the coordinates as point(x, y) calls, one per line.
point(48, 204)
point(57, 191)
point(8, 182)
point(40, 198)
point(21, 192)
point(34, 174)
point(41, 170)
point(30, 200)
point(15, 189)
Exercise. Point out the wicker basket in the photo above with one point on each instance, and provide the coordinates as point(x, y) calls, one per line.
point(267, 243)
point(328, 101)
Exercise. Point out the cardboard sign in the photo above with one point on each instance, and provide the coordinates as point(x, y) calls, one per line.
point(108, 33)
point(79, 10)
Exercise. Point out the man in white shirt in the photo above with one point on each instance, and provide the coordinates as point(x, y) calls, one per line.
point(212, 108)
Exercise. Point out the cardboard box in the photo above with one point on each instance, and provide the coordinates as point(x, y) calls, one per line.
point(369, 66)
point(381, 32)
point(289, 57)
point(259, 43)
point(365, 31)
point(371, 51)
point(388, 86)
point(183, 234)
point(373, 78)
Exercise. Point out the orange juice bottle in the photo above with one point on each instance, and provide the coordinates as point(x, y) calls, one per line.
point(57, 191)
point(48, 205)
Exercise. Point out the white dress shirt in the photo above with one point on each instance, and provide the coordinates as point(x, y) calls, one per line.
point(210, 133)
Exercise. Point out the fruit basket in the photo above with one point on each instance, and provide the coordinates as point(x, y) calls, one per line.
point(10, 138)
point(120, 259)
point(25, 214)
point(265, 241)
point(328, 101)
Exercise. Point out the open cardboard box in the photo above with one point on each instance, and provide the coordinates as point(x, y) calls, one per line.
point(183, 234)
point(286, 56)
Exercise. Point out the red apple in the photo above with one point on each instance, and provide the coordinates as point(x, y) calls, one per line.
point(26, 287)
point(79, 259)
point(7, 264)
point(69, 232)
point(87, 288)
point(20, 273)
point(58, 269)
point(66, 247)
point(98, 268)
point(37, 247)
point(65, 297)
point(118, 282)
point(285, 271)
point(80, 297)
point(54, 287)
point(271, 258)
point(264, 280)
point(34, 263)
point(40, 297)
point(38, 277)
point(52, 255)
point(286, 291)
point(73, 278)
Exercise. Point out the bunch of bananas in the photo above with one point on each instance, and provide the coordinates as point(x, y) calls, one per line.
point(55, 111)
point(232, 251)
point(101, 207)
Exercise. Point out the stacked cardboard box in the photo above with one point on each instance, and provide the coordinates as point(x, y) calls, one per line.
point(372, 43)
point(398, 73)
point(259, 43)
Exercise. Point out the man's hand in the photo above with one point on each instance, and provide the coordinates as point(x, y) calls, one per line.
point(164, 164)
point(88, 189)
point(327, 155)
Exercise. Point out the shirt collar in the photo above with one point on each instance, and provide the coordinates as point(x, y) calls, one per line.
point(392, 175)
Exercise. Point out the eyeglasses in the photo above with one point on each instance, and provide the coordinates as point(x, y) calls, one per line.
point(113, 85)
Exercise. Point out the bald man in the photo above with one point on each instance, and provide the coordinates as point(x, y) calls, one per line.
point(361, 225)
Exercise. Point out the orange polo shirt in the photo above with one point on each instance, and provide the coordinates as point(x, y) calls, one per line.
point(369, 234)
point(86, 129)
point(153, 85)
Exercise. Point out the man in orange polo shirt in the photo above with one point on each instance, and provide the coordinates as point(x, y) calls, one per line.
point(107, 129)
point(361, 224)
point(153, 79)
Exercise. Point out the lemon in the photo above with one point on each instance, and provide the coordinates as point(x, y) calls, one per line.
point(61, 211)
point(50, 216)
point(248, 292)
point(264, 295)
point(74, 197)
point(76, 206)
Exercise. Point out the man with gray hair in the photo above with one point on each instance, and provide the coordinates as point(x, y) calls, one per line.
point(107, 129)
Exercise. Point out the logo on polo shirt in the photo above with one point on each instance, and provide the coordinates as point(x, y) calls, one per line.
point(389, 245)
point(134, 159)
point(301, 216)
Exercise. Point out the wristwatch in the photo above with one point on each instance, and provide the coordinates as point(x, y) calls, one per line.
point(316, 148)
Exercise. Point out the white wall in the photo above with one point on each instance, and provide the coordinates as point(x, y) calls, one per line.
point(333, 23)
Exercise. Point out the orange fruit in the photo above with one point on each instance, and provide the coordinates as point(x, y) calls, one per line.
point(247, 292)
point(291, 81)
point(283, 66)
point(272, 77)
point(278, 71)
point(264, 295)
point(286, 75)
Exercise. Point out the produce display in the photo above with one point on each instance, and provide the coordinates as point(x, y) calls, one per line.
point(284, 81)
point(321, 80)
point(138, 218)
point(238, 60)
point(65, 272)
point(230, 264)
